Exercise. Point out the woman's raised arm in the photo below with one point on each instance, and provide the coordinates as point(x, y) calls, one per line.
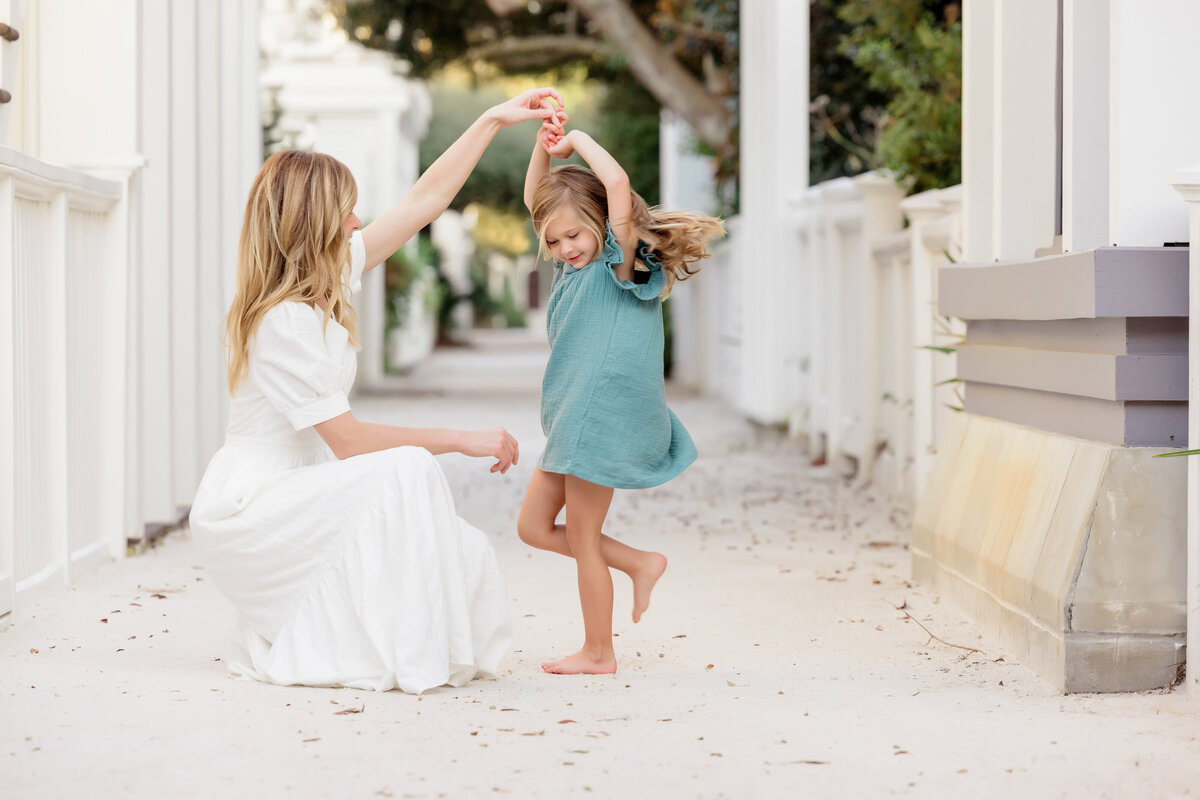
point(434, 190)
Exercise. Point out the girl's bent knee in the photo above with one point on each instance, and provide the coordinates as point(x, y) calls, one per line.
point(529, 533)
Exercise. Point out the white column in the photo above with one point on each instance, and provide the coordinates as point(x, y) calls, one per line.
point(817, 315)
point(1086, 140)
point(1009, 152)
point(921, 210)
point(978, 124)
point(183, 242)
point(153, 275)
point(774, 164)
point(8, 344)
point(1187, 183)
point(881, 215)
point(210, 309)
point(1023, 170)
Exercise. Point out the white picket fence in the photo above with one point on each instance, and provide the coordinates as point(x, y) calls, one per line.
point(874, 393)
point(63, 259)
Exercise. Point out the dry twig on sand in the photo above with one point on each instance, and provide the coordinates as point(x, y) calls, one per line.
point(932, 636)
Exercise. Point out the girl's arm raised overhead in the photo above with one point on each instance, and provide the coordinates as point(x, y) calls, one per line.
point(539, 162)
point(434, 190)
point(616, 187)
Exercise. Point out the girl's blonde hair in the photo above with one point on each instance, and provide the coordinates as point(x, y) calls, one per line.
point(678, 238)
point(292, 248)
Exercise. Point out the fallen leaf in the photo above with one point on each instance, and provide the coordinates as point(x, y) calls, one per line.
point(535, 733)
point(731, 683)
point(316, 739)
point(679, 636)
point(565, 721)
point(33, 649)
point(351, 710)
point(104, 619)
point(710, 666)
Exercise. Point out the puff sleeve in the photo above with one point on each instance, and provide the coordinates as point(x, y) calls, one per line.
point(293, 369)
point(612, 256)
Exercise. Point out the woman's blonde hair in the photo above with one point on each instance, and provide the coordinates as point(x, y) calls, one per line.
point(292, 248)
point(678, 238)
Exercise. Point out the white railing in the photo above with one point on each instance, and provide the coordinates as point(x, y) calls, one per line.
point(63, 283)
point(706, 315)
point(874, 392)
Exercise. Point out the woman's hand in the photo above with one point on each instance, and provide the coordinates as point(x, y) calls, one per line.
point(530, 104)
point(494, 443)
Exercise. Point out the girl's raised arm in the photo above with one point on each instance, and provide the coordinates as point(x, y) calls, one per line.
point(539, 166)
point(434, 190)
point(616, 187)
point(551, 134)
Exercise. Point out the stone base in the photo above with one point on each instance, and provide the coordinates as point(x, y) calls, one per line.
point(1071, 553)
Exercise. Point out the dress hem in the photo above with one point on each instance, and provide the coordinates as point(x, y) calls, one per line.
point(599, 480)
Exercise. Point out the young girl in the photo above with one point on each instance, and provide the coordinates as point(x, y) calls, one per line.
point(336, 539)
point(604, 408)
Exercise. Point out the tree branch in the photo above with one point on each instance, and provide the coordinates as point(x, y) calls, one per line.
point(657, 69)
point(538, 51)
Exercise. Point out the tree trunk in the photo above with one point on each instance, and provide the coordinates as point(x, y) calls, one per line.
point(656, 69)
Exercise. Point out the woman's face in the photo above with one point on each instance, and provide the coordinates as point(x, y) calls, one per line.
point(351, 224)
point(570, 240)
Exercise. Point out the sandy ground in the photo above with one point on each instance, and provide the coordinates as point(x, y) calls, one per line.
point(772, 663)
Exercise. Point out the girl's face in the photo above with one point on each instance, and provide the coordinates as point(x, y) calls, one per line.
point(570, 240)
point(351, 224)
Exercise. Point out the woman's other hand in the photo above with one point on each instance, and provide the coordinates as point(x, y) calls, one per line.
point(528, 105)
point(494, 443)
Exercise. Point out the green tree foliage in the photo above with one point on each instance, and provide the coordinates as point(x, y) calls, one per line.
point(553, 35)
point(911, 50)
point(845, 113)
point(886, 83)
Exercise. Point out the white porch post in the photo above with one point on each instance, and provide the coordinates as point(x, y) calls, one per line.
point(1187, 183)
point(1009, 68)
point(774, 165)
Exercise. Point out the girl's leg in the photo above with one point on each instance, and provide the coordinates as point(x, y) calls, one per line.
point(544, 499)
point(587, 505)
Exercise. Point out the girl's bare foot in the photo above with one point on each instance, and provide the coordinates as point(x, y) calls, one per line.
point(582, 664)
point(653, 566)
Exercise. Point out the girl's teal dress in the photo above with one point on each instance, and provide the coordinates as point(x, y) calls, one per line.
point(604, 404)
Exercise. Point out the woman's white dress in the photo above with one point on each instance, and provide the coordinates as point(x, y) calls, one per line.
point(351, 573)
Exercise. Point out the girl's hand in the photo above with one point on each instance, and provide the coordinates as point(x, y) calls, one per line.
point(494, 443)
point(562, 148)
point(553, 128)
point(530, 104)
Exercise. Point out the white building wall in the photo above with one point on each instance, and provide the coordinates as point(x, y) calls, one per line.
point(160, 100)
